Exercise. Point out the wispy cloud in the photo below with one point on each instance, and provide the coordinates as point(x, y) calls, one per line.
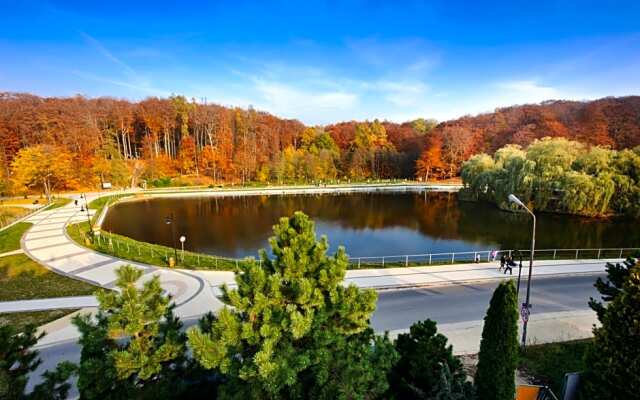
point(109, 55)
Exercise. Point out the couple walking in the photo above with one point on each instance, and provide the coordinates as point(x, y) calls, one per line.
point(506, 263)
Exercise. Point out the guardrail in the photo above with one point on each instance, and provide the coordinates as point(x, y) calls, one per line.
point(490, 255)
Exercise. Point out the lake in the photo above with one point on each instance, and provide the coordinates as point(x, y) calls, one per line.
point(367, 224)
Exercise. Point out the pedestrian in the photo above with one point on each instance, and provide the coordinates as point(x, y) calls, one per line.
point(76, 202)
point(503, 260)
point(508, 266)
point(477, 258)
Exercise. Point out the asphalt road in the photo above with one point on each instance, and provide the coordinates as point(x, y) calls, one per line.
point(398, 309)
point(448, 304)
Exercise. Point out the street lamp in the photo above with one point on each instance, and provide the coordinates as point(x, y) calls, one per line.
point(169, 221)
point(182, 240)
point(526, 305)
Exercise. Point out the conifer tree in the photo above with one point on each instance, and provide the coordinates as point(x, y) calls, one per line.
point(495, 376)
point(18, 360)
point(427, 368)
point(613, 360)
point(133, 347)
point(294, 330)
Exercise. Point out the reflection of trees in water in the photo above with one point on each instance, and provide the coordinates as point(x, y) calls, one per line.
point(227, 225)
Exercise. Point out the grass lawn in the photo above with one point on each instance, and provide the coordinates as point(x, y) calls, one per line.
point(21, 278)
point(22, 319)
point(10, 237)
point(8, 214)
point(59, 202)
point(148, 253)
point(549, 362)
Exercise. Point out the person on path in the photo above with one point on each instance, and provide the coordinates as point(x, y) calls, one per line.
point(503, 260)
point(477, 258)
point(493, 255)
point(508, 266)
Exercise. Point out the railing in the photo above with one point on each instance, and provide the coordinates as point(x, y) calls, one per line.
point(487, 256)
point(159, 255)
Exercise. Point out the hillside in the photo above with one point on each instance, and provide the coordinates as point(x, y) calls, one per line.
point(613, 122)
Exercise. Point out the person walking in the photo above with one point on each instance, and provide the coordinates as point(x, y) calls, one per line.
point(509, 266)
point(503, 260)
point(477, 258)
point(493, 255)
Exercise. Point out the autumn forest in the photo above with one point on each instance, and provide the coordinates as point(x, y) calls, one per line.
point(51, 144)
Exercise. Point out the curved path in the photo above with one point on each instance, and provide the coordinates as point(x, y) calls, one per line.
point(48, 244)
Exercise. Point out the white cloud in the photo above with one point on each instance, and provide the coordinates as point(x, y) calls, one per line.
point(527, 90)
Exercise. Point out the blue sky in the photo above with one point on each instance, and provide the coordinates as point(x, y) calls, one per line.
point(328, 61)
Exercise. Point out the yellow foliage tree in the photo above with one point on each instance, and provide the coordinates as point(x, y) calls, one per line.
point(43, 167)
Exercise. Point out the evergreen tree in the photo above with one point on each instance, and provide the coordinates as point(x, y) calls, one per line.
point(18, 360)
point(133, 347)
point(295, 331)
point(617, 274)
point(427, 368)
point(613, 361)
point(495, 376)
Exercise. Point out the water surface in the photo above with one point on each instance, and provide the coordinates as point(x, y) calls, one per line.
point(367, 224)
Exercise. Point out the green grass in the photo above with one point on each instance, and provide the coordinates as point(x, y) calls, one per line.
point(59, 202)
point(8, 214)
point(21, 278)
point(20, 320)
point(148, 253)
point(548, 363)
point(10, 237)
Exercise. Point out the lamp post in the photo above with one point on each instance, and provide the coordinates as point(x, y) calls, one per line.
point(169, 221)
point(182, 240)
point(527, 305)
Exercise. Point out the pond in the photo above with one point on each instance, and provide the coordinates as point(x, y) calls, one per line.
point(367, 224)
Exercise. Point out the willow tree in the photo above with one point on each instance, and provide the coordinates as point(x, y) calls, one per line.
point(291, 329)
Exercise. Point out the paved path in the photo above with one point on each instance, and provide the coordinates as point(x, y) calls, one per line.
point(47, 243)
point(409, 277)
point(48, 304)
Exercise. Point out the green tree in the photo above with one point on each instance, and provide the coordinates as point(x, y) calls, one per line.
point(293, 330)
point(613, 359)
point(498, 357)
point(18, 360)
point(133, 347)
point(427, 368)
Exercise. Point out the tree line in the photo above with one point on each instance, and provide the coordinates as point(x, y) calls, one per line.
point(610, 122)
point(559, 175)
point(83, 142)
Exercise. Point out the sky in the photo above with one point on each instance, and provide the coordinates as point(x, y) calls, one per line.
point(326, 61)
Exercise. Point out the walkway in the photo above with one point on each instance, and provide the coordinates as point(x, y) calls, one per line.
point(56, 303)
point(47, 243)
point(408, 277)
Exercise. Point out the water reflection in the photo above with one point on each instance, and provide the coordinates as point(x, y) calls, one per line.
point(366, 224)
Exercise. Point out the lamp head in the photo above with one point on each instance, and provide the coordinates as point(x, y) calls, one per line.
point(183, 239)
point(514, 199)
point(167, 220)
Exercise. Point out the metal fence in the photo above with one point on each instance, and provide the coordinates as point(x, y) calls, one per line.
point(160, 255)
point(490, 255)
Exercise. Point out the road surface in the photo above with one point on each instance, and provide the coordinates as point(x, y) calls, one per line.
point(398, 309)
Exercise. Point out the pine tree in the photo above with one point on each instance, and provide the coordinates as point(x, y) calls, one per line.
point(133, 347)
point(18, 360)
point(617, 274)
point(427, 368)
point(613, 361)
point(295, 331)
point(495, 376)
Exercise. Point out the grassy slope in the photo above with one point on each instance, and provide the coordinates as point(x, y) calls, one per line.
point(22, 319)
point(548, 363)
point(10, 237)
point(22, 278)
